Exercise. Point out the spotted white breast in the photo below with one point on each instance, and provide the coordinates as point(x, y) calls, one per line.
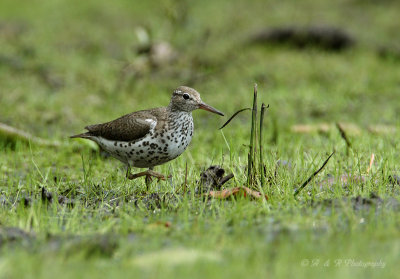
point(158, 146)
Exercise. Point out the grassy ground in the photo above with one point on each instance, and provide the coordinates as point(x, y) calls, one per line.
point(66, 64)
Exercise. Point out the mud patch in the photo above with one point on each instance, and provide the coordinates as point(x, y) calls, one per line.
point(321, 37)
point(48, 197)
point(359, 203)
point(11, 235)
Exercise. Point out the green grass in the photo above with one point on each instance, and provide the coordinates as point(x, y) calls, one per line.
point(67, 64)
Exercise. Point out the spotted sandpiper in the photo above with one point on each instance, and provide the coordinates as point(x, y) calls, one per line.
point(152, 137)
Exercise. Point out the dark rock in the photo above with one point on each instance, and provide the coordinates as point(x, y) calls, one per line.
point(212, 179)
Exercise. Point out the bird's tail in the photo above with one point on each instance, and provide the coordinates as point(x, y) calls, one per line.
point(86, 135)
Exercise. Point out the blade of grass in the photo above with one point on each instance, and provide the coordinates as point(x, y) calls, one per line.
point(261, 163)
point(185, 185)
point(344, 137)
point(250, 162)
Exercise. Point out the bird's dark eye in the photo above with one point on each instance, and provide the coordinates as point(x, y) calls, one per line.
point(186, 96)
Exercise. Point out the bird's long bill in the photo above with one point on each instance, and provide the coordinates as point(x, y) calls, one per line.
point(210, 108)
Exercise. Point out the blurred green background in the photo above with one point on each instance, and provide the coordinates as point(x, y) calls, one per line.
point(65, 64)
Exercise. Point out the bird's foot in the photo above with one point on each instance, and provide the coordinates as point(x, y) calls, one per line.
point(148, 179)
point(148, 174)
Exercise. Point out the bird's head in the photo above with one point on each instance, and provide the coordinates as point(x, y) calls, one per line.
point(187, 99)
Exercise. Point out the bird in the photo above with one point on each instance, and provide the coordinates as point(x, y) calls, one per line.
point(148, 138)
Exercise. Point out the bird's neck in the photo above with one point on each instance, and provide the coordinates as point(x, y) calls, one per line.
point(172, 109)
point(176, 115)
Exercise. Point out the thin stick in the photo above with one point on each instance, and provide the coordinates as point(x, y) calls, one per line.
point(226, 179)
point(233, 116)
point(312, 176)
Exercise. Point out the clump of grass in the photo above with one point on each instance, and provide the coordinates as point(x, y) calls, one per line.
point(255, 171)
point(251, 172)
point(255, 164)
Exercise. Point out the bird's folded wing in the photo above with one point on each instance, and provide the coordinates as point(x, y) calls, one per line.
point(130, 127)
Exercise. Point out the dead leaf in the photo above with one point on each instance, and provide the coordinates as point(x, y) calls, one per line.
point(307, 129)
point(349, 128)
point(382, 129)
point(159, 225)
point(371, 162)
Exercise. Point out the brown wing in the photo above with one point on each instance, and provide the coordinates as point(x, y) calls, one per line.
point(129, 127)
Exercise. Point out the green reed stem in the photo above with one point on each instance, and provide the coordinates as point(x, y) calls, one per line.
point(250, 173)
